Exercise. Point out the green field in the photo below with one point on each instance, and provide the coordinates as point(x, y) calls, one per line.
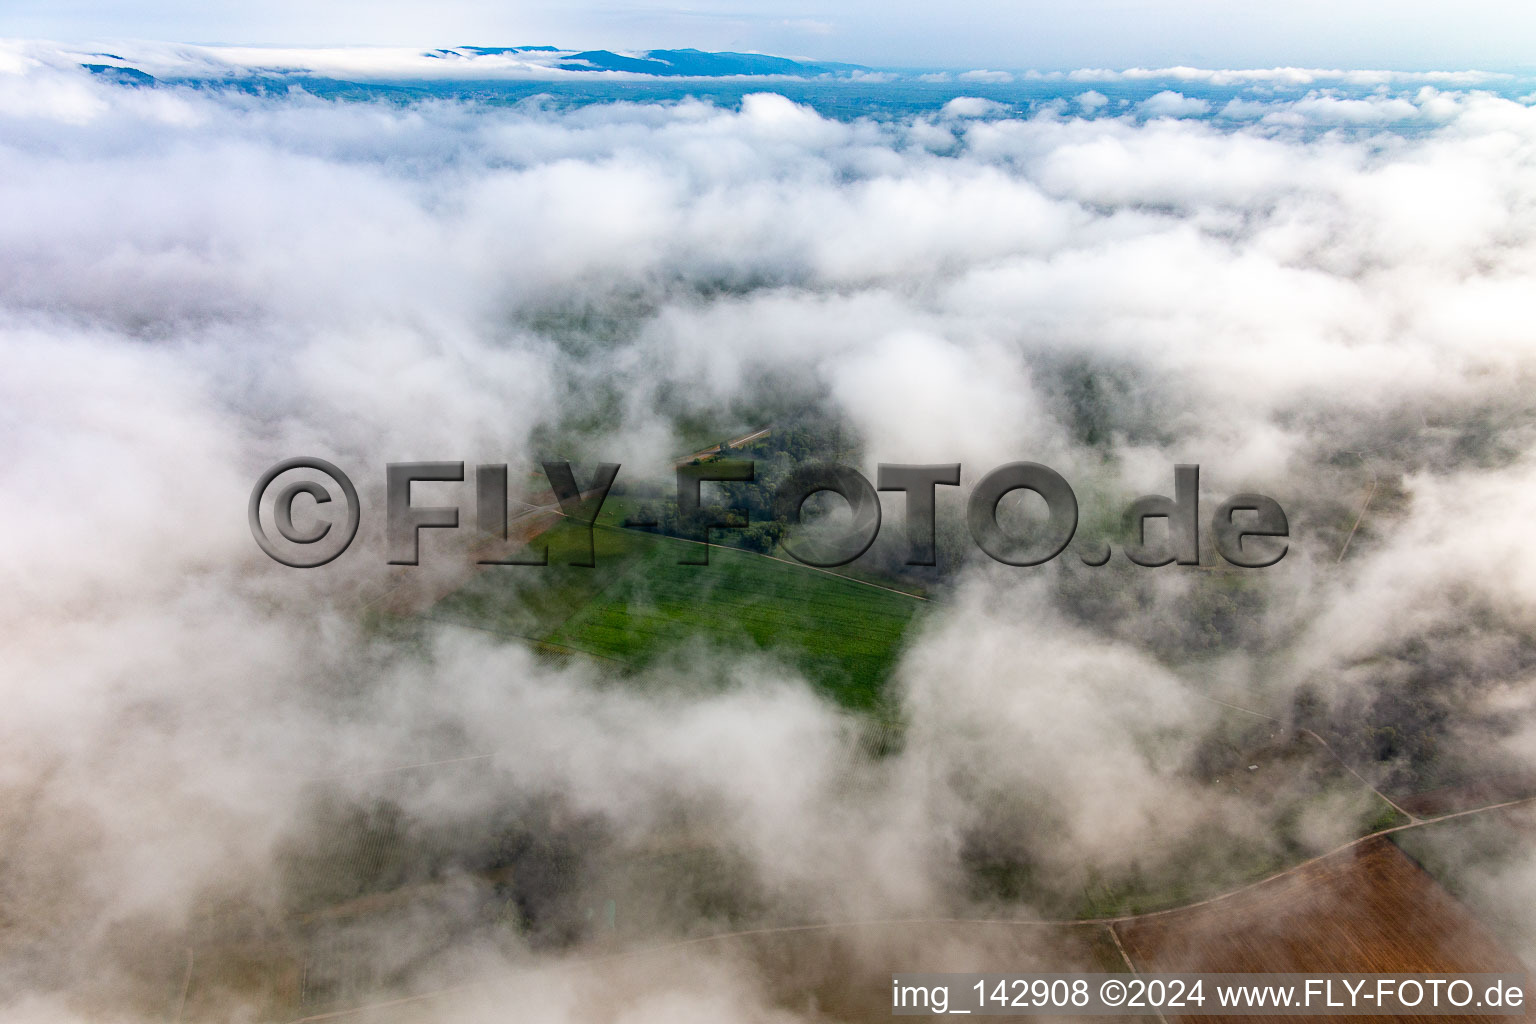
point(639, 606)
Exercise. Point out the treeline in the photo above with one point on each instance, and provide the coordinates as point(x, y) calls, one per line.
point(750, 503)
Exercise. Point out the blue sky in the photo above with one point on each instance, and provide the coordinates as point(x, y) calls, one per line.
point(1404, 34)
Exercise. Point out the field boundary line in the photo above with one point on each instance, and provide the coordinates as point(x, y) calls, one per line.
point(1125, 956)
point(1331, 753)
point(1364, 507)
point(1024, 922)
point(760, 554)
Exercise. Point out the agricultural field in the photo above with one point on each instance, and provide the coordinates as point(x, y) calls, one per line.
point(1493, 789)
point(917, 581)
point(843, 972)
point(1274, 799)
point(640, 606)
point(1481, 860)
point(827, 972)
point(1367, 909)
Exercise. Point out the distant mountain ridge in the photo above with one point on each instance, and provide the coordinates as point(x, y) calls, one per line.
point(669, 63)
point(386, 64)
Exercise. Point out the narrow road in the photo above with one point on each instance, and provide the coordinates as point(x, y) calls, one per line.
point(1107, 922)
point(1331, 752)
point(683, 460)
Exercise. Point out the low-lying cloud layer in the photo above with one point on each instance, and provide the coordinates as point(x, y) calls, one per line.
point(1307, 298)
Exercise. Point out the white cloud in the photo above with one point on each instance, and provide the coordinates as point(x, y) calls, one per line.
point(1173, 104)
point(972, 106)
point(982, 75)
point(1286, 76)
point(202, 282)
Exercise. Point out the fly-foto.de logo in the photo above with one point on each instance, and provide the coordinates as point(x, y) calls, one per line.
point(312, 527)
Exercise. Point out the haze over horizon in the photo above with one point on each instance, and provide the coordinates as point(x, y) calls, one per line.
point(1415, 35)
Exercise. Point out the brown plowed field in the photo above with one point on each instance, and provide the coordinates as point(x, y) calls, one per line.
point(1368, 909)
